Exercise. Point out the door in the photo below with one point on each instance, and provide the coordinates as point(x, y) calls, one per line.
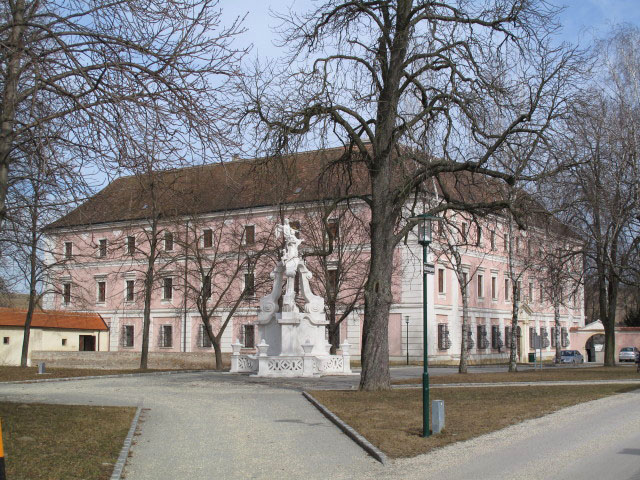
point(87, 343)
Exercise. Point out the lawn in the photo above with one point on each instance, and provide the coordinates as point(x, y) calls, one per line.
point(544, 375)
point(392, 420)
point(62, 441)
point(13, 374)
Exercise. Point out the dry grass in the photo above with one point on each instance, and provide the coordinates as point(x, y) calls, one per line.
point(14, 374)
point(392, 420)
point(545, 375)
point(62, 441)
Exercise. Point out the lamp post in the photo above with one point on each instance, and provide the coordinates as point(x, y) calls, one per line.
point(424, 239)
point(406, 321)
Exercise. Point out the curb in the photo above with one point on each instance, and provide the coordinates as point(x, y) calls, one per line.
point(518, 384)
point(124, 453)
point(93, 377)
point(348, 431)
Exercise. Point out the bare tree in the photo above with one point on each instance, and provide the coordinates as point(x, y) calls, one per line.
point(413, 90)
point(336, 253)
point(226, 265)
point(90, 60)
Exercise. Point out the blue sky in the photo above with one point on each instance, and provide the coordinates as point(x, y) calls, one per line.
point(582, 19)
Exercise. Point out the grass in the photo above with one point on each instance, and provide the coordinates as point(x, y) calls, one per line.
point(545, 375)
point(43, 442)
point(392, 420)
point(14, 374)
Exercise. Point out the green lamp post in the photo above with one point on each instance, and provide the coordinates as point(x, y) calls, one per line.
point(424, 239)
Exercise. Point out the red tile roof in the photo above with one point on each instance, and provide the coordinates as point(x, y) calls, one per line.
point(15, 317)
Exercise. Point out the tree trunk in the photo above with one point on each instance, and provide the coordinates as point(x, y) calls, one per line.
point(32, 295)
point(148, 291)
point(556, 320)
point(334, 329)
point(14, 49)
point(513, 356)
point(464, 350)
point(218, 353)
point(378, 298)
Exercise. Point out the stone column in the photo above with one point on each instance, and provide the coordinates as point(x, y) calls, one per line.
point(235, 356)
point(263, 359)
point(346, 356)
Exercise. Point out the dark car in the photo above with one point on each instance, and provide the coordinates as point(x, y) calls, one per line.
point(571, 356)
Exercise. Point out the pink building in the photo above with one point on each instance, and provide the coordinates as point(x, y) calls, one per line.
point(221, 214)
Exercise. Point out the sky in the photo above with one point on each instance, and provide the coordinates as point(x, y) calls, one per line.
point(582, 20)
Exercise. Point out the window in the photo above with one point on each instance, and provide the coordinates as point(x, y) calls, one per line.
point(64, 342)
point(248, 338)
point(496, 341)
point(102, 248)
point(529, 248)
point(207, 238)
point(463, 231)
point(443, 337)
point(167, 288)
point(492, 239)
point(541, 294)
point(168, 241)
point(249, 285)
point(506, 289)
point(130, 291)
point(333, 228)
point(480, 286)
point(441, 280)
point(494, 288)
point(127, 336)
point(205, 341)
point(206, 286)
point(68, 250)
point(517, 244)
point(481, 337)
point(66, 293)
point(506, 242)
point(166, 336)
point(518, 290)
point(249, 234)
point(102, 291)
point(532, 334)
point(131, 245)
point(5, 340)
point(530, 292)
point(479, 236)
point(507, 336)
point(564, 337)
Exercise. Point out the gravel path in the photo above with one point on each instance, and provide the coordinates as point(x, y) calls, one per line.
point(208, 425)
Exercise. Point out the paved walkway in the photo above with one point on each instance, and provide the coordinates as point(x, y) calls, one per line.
point(210, 425)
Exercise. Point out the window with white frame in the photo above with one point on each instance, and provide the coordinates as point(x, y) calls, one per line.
point(167, 288)
point(494, 287)
point(492, 237)
point(66, 293)
point(130, 286)
point(506, 290)
point(168, 241)
point(166, 336)
point(441, 280)
point(480, 281)
point(68, 250)
point(102, 247)
point(530, 292)
point(101, 291)
point(127, 336)
point(131, 245)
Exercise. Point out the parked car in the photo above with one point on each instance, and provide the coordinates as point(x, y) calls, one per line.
point(628, 354)
point(571, 356)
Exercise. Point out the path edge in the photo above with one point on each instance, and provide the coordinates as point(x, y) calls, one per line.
point(126, 447)
point(367, 446)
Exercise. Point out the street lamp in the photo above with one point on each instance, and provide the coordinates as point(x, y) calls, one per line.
point(406, 320)
point(424, 239)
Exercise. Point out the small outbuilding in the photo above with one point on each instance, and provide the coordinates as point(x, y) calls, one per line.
point(58, 331)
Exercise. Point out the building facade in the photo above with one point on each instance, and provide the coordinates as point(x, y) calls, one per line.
point(198, 239)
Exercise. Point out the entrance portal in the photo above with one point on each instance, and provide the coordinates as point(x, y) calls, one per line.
point(595, 348)
point(87, 343)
